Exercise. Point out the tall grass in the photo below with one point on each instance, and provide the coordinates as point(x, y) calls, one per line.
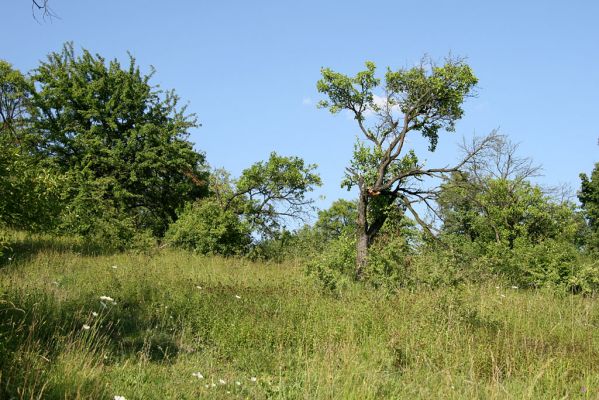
point(175, 314)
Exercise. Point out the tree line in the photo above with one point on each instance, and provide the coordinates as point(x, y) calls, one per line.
point(91, 149)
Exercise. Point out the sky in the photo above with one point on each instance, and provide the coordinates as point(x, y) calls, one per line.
point(248, 69)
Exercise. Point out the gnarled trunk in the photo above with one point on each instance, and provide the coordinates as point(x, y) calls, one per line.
point(363, 240)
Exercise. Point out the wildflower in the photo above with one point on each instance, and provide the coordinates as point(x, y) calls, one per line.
point(237, 296)
point(114, 267)
point(119, 398)
point(496, 287)
point(253, 379)
point(502, 295)
point(106, 298)
point(213, 384)
point(222, 382)
point(9, 258)
point(86, 327)
point(199, 287)
point(95, 314)
point(514, 287)
point(198, 375)
point(238, 383)
point(206, 385)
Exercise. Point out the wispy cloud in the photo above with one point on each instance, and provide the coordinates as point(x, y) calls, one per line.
point(307, 101)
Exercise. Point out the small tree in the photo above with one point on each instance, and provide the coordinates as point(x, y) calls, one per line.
point(425, 99)
point(269, 192)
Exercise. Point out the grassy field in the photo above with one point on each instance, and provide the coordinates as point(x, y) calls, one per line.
point(267, 331)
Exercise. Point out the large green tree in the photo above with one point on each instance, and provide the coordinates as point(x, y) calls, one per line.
point(99, 121)
point(424, 100)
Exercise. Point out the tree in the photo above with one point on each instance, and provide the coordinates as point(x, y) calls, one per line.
point(589, 198)
point(99, 121)
point(338, 218)
point(492, 196)
point(425, 99)
point(269, 192)
point(29, 193)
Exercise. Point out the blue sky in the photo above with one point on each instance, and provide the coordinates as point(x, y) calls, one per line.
point(249, 69)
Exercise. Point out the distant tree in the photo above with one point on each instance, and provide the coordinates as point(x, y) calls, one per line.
point(97, 120)
point(340, 217)
point(425, 99)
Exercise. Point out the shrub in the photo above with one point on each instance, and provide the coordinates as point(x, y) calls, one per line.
point(205, 227)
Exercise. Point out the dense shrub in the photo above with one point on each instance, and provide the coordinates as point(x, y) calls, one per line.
point(205, 227)
point(93, 215)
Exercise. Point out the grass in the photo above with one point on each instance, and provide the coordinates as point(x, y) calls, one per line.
point(233, 320)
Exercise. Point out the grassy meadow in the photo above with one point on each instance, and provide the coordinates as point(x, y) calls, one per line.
point(173, 325)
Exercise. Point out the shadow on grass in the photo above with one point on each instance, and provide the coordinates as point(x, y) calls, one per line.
point(37, 334)
point(25, 246)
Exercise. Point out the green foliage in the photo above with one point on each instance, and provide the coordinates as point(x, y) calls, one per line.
point(389, 260)
point(206, 228)
point(340, 217)
point(333, 268)
point(29, 193)
point(426, 99)
point(511, 228)
point(503, 210)
point(589, 198)
point(108, 123)
point(94, 215)
point(275, 190)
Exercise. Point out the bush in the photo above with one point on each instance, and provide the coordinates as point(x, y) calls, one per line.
point(95, 217)
point(206, 228)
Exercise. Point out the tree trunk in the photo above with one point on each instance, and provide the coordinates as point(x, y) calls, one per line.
point(362, 239)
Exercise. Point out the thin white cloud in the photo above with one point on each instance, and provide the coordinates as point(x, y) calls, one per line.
point(307, 101)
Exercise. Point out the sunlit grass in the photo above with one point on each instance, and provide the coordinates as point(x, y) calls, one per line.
point(254, 330)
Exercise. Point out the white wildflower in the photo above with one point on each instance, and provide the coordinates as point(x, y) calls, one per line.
point(206, 385)
point(199, 287)
point(213, 384)
point(514, 287)
point(119, 398)
point(238, 383)
point(198, 375)
point(253, 379)
point(114, 267)
point(222, 382)
point(86, 327)
point(502, 295)
point(9, 258)
point(496, 287)
point(106, 298)
point(237, 296)
point(95, 314)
